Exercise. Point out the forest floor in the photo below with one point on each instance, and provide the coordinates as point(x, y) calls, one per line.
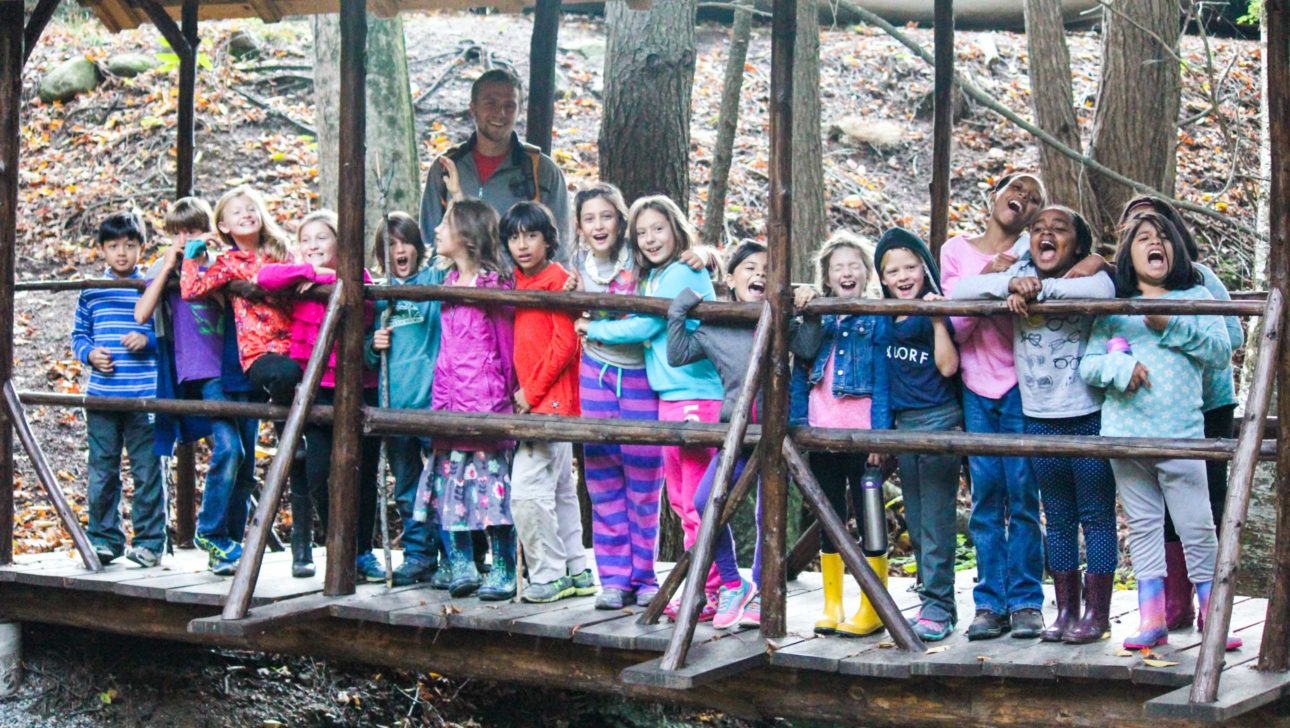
point(112, 148)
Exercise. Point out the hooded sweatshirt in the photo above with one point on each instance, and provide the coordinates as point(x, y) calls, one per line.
point(546, 348)
point(905, 373)
point(414, 343)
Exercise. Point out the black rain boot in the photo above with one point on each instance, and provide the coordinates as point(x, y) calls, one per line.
point(302, 537)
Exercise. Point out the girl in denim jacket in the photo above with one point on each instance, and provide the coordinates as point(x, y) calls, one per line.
point(836, 391)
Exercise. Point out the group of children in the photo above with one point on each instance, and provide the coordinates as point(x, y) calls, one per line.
point(460, 497)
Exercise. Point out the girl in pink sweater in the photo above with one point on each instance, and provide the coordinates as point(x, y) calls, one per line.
point(317, 244)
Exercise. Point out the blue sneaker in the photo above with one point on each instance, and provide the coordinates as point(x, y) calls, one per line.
point(584, 583)
point(369, 568)
point(224, 567)
point(413, 571)
point(221, 549)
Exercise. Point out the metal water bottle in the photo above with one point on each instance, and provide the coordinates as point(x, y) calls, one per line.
point(874, 533)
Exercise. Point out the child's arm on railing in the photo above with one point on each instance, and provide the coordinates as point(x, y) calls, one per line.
point(1102, 368)
point(1203, 338)
point(683, 345)
point(147, 303)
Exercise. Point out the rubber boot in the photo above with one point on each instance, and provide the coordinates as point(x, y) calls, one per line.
point(1066, 584)
point(831, 566)
point(1095, 625)
point(1203, 591)
point(1151, 616)
point(1179, 612)
point(460, 550)
point(500, 583)
point(302, 537)
point(866, 620)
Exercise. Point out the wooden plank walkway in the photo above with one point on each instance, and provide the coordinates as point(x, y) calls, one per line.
point(283, 602)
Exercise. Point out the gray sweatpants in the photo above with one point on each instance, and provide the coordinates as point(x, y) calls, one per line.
point(1146, 487)
point(544, 506)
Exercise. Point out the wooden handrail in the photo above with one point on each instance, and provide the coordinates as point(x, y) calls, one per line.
point(257, 535)
point(833, 525)
point(1218, 618)
point(45, 474)
point(701, 553)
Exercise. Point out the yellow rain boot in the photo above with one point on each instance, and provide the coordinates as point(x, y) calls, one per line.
point(831, 565)
point(865, 621)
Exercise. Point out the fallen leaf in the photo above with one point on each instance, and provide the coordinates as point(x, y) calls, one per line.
point(1123, 653)
point(1159, 663)
point(982, 658)
point(936, 650)
point(886, 645)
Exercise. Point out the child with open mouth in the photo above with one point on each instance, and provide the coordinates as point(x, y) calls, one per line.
point(1152, 368)
point(914, 389)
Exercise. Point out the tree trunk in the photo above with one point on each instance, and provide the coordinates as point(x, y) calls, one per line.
point(714, 219)
point(1135, 130)
point(1259, 273)
point(391, 138)
point(1054, 106)
point(810, 224)
point(649, 72)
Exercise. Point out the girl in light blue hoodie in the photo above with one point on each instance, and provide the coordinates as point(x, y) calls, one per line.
point(657, 235)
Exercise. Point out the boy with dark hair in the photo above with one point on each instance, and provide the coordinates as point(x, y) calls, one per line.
point(122, 357)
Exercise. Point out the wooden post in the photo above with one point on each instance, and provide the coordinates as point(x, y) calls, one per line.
point(1218, 618)
point(347, 429)
point(11, 61)
point(185, 458)
point(1274, 654)
point(779, 293)
point(943, 124)
point(701, 552)
point(849, 550)
point(542, 49)
point(40, 17)
point(803, 552)
point(257, 533)
point(14, 412)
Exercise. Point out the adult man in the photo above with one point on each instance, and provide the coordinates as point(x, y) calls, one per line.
point(493, 164)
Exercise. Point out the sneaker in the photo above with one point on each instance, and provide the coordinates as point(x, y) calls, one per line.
point(413, 571)
point(551, 591)
point(142, 556)
point(645, 594)
point(224, 567)
point(1027, 624)
point(584, 584)
point(610, 598)
point(368, 568)
point(930, 630)
point(731, 603)
point(672, 609)
point(752, 613)
point(709, 611)
point(105, 553)
point(219, 547)
point(988, 625)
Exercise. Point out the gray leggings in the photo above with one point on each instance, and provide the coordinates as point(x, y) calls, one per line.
point(1146, 487)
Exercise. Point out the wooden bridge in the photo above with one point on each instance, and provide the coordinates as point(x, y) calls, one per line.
point(780, 669)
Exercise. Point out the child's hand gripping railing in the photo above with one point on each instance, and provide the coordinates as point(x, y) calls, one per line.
point(257, 536)
point(13, 410)
point(1209, 663)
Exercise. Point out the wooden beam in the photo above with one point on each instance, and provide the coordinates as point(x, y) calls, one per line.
point(267, 10)
point(1209, 663)
point(1274, 653)
point(45, 474)
point(347, 429)
point(832, 524)
point(703, 549)
point(40, 17)
point(185, 130)
point(542, 50)
point(943, 123)
point(779, 293)
point(11, 61)
point(257, 534)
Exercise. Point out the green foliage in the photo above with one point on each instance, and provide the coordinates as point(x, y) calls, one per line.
point(170, 61)
point(1253, 13)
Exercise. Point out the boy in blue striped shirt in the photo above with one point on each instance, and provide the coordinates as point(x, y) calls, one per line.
point(123, 363)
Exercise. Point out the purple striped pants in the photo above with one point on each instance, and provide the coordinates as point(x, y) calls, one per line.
point(623, 481)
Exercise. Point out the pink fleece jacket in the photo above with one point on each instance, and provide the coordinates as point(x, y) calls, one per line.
point(307, 316)
point(985, 342)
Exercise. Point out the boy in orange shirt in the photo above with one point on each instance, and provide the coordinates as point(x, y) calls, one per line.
point(544, 498)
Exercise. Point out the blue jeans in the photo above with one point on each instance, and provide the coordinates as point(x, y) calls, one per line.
point(108, 433)
point(406, 456)
point(1005, 512)
point(231, 477)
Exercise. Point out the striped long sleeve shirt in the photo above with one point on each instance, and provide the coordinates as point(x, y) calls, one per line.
point(103, 317)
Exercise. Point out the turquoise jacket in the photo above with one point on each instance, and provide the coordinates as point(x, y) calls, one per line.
point(696, 381)
point(1175, 359)
point(414, 343)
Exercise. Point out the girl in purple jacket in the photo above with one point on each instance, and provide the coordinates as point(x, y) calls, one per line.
point(467, 482)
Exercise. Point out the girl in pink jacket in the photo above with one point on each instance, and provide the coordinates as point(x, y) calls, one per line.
point(317, 245)
point(468, 482)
